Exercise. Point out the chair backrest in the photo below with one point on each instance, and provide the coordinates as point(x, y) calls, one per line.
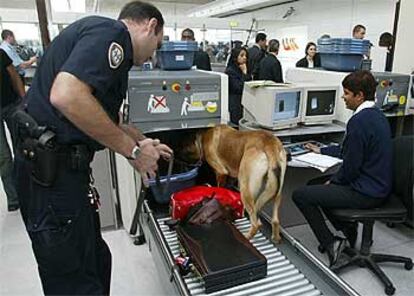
point(403, 170)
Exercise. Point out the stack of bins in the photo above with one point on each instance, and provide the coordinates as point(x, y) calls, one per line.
point(177, 55)
point(342, 54)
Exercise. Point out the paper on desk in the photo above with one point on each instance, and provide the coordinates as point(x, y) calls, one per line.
point(264, 83)
point(318, 161)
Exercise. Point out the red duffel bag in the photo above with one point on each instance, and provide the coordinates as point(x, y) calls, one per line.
point(182, 201)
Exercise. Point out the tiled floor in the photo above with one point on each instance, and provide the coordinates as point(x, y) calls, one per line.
point(134, 272)
point(396, 241)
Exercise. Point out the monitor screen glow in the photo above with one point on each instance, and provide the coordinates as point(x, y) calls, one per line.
point(286, 105)
point(320, 102)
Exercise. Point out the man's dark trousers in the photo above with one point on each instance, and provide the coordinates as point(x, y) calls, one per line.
point(64, 228)
point(313, 199)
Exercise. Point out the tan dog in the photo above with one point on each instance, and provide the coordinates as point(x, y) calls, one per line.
point(256, 158)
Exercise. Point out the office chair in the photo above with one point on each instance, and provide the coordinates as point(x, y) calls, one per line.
point(394, 210)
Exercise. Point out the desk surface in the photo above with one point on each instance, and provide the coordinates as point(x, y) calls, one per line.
point(335, 127)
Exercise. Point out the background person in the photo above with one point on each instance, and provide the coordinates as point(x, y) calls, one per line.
point(12, 90)
point(311, 59)
point(270, 67)
point(256, 53)
point(359, 31)
point(201, 58)
point(9, 41)
point(237, 72)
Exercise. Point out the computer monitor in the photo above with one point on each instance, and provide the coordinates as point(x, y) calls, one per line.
point(272, 106)
point(319, 104)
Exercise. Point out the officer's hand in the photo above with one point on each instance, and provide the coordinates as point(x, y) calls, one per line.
point(313, 147)
point(165, 151)
point(146, 163)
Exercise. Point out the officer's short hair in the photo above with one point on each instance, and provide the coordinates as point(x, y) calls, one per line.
point(361, 81)
point(6, 33)
point(358, 28)
point(189, 32)
point(138, 11)
point(260, 37)
point(273, 45)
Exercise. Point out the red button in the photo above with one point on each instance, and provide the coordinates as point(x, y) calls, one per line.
point(187, 87)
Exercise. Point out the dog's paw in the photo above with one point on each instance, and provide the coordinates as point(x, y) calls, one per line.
point(277, 239)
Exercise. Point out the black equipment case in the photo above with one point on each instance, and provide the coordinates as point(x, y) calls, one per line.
point(221, 254)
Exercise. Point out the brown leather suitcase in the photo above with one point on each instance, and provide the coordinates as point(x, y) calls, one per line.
point(221, 254)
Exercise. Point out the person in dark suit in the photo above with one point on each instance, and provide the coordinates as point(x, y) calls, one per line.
point(237, 72)
point(270, 67)
point(201, 58)
point(387, 40)
point(256, 53)
point(311, 60)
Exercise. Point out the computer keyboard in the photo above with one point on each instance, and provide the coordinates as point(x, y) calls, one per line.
point(299, 147)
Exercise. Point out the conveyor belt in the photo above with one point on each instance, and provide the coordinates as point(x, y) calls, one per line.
point(283, 278)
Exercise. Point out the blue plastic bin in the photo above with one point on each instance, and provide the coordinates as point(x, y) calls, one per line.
point(344, 45)
point(344, 41)
point(177, 182)
point(177, 55)
point(341, 61)
point(342, 54)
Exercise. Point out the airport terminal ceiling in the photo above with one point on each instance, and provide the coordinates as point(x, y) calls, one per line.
point(89, 4)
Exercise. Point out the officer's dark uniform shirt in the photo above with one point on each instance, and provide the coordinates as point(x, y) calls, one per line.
point(98, 51)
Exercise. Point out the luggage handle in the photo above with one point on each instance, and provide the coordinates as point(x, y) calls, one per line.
point(169, 173)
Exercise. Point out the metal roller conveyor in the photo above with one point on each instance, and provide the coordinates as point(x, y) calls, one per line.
point(283, 278)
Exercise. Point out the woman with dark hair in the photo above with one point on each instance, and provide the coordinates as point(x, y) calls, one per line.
point(311, 60)
point(237, 72)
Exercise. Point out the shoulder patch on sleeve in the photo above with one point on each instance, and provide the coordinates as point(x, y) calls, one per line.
point(115, 55)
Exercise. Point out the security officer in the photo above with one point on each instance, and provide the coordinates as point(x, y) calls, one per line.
point(76, 93)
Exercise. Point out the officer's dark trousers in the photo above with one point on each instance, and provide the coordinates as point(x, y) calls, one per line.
point(313, 199)
point(72, 257)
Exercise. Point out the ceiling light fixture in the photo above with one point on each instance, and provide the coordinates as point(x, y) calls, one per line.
point(225, 8)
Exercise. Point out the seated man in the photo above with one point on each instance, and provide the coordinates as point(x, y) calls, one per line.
point(364, 179)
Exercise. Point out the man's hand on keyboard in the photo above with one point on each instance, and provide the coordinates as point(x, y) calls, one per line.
point(313, 147)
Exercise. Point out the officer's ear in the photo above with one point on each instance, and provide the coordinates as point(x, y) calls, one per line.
point(152, 25)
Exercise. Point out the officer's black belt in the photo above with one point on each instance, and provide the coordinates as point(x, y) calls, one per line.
point(75, 157)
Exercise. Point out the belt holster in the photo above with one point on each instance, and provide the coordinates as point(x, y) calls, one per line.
point(43, 161)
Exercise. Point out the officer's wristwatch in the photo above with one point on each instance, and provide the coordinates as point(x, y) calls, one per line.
point(136, 151)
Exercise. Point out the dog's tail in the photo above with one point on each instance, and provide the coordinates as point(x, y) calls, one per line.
point(273, 180)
